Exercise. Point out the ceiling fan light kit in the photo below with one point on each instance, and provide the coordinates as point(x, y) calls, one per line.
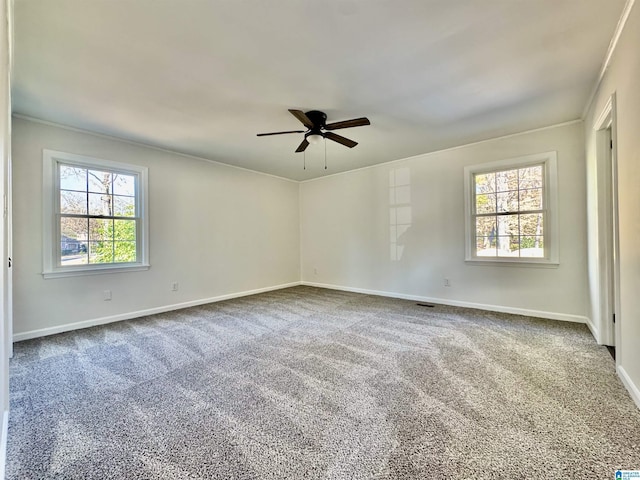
point(316, 123)
point(314, 138)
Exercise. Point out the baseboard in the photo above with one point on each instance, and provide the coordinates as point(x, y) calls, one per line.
point(3, 442)
point(631, 387)
point(566, 317)
point(595, 331)
point(17, 337)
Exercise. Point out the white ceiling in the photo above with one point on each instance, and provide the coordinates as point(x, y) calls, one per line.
point(204, 77)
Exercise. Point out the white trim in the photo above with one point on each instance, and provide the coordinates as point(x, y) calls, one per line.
point(527, 262)
point(50, 227)
point(17, 337)
point(95, 269)
point(631, 387)
point(607, 265)
point(449, 149)
point(3, 442)
point(605, 117)
point(551, 232)
point(615, 227)
point(626, 11)
point(300, 256)
point(593, 327)
point(144, 145)
point(565, 317)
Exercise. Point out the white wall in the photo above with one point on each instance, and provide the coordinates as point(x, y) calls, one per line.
point(622, 78)
point(5, 155)
point(216, 230)
point(345, 234)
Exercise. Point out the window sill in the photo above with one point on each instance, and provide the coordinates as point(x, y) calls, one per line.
point(94, 270)
point(508, 262)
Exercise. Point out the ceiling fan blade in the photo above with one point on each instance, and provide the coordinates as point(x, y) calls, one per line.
point(303, 146)
point(337, 138)
point(300, 115)
point(280, 133)
point(356, 122)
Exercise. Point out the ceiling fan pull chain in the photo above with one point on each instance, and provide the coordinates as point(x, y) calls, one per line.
point(304, 157)
point(325, 153)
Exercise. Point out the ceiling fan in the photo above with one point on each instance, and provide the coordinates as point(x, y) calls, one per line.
point(316, 123)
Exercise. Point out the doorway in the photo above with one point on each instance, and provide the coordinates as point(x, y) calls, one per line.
point(607, 212)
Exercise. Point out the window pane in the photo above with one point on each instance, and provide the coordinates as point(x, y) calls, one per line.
point(531, 177)
point(531, 199)
point(531, 247)
point(504, 246)
point(486, 203)
point(531, 224)
point(125, 252)
point(73, 202)
point(101, 252)
point(507, 201)
point(100, 229)
point(124, 206)
point(74, 228)
point(532, 253)
point(100, 204)
point(124, 184)
point(507, 180)
point(485, 247)
point(508, 225)
point(73, 178)
point(73, 241)
point(99, 182)
point(125, 230)
point(486, 227)
point(514, 245)
point(485, 183)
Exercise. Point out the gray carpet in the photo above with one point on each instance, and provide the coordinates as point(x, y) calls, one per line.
point(306, 383)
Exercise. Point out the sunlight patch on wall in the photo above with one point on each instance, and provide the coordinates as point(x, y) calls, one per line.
point(399, 210)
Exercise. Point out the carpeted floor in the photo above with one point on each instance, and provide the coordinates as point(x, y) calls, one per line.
point(306, 383)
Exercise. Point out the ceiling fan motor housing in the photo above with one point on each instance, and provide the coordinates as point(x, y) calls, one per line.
point(318, 118)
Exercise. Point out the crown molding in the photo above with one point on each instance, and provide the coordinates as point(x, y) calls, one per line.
point(626, 11)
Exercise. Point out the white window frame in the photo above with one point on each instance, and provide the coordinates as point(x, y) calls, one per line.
point(550, 204)
point(52, 268)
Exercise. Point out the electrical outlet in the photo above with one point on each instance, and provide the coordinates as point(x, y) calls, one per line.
point(106, 295)
point(174, 286)
point(447, 282)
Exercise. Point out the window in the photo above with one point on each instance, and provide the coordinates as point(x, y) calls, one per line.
point(511, 211)
point(94, 215)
